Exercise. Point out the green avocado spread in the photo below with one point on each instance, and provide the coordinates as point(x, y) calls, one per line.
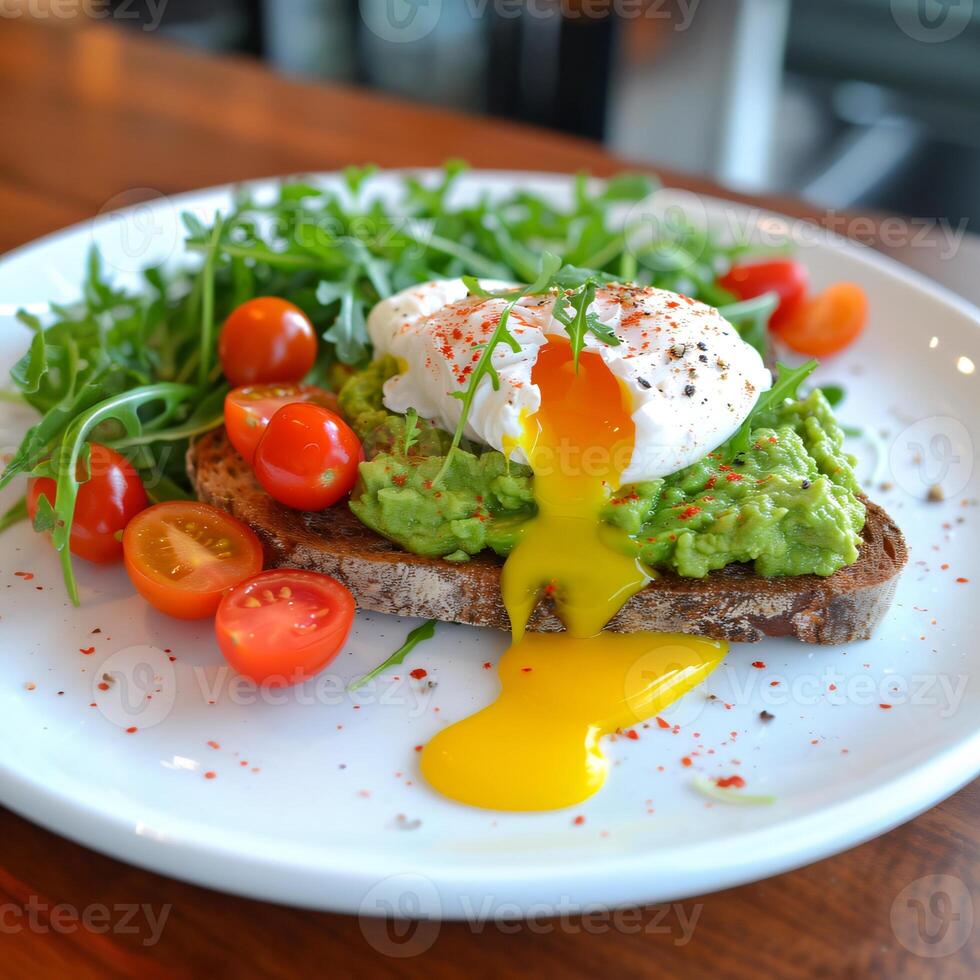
point(789, 505)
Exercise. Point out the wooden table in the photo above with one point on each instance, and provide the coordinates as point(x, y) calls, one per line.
point(87, 113)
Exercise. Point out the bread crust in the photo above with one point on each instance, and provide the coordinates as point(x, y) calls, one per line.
point(731, 604)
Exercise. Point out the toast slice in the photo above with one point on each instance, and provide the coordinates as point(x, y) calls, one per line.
point(731, 604)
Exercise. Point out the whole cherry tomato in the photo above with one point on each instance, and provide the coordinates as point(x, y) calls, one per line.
point(183, 555)
point(248, 410)
point(782, 276)
point(828, 322)
point(284, 626)
point(105, 504)
point(265, 341)
point(308, 457)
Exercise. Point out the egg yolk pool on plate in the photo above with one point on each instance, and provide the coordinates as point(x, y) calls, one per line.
point(537, 746)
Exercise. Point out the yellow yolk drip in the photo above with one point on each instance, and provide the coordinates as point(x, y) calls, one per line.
point(537, 746)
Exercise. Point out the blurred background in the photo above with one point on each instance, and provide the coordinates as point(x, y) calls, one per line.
point(845, 103)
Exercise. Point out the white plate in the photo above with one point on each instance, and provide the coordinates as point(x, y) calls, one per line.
point(305, 805)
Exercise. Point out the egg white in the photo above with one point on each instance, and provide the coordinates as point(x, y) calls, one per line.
point(686, 399)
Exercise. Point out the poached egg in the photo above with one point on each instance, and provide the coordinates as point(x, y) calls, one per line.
point(690, 378)
point(678, 384)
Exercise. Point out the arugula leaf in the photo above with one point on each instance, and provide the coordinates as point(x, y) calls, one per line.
point(834, 394)
point(424, 632)
point(15, 514)
point(412, 431)
point(787, 383)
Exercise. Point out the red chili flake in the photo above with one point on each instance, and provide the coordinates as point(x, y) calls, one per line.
point(132, 731)
point(578, 821)
point(526, 670)
point(26, 576)
point(662, 723)
point(759, 664)
point(398, 479)
point(88, 651)
point(726, 782)
point(689, 513)
point(774, 683)
point(733, 477)
point(884, 706)
point(962, 581)
point(773, 439)
point(832, 687)
point(214, 745)
point(944, 567)
point(418, 748)
point(102, 686)
point(633, 735)
point(710, 485)
point(418, 673)
point(210, 775)
point(725, 468)
point(686, 761)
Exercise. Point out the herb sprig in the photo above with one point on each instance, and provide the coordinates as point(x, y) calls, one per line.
point(418, 635)
point(788, 381)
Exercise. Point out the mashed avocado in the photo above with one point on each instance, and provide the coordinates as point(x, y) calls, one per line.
point(789, 505)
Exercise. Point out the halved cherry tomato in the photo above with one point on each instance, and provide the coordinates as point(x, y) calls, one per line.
point(248, 410)
point(307, 457)
point(828, 322)
point(782, 276)
point(266, 340)
point(183, 556)
point(106, 502)
point(284, 626)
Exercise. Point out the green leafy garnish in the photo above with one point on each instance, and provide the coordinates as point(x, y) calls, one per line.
point(16, 513)
point(411, 429)
point(834, 394)
point(421, 633)
point(787, 383)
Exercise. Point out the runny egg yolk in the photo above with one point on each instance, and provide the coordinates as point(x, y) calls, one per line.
point(537, 746)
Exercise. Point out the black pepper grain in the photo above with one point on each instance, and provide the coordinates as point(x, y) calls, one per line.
point(643, 383)
point(702, 345)
point(689, 390)
point(805, 485)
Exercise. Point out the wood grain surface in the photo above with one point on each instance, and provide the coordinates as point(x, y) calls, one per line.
point(88, 113)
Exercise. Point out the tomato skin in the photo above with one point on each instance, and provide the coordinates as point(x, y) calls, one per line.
point(185, 536)
point(307, 457)
point(248, 410)
point(828, 322)
point(782, 276)
point(284, 626)
point(266, 340)
point(105, 504)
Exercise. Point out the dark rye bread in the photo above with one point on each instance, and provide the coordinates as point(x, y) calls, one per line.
point(732, 604)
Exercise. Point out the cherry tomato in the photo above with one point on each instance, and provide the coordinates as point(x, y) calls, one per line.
point(284, 626)
point(307, 458)
point(828, 322)
point(183, 556)
point(248, 410)
point(783, 276)
point(105, 504)
point(267, 340)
